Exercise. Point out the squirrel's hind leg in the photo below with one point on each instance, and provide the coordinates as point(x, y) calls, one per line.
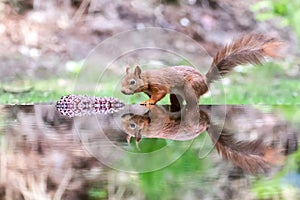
point(191, 94)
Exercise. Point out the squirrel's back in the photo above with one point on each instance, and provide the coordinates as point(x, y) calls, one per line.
point(175, 76)
point(173, 71)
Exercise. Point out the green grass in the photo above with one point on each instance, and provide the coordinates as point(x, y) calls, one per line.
point(278, 92)
point(268, 84)
point(38, 92)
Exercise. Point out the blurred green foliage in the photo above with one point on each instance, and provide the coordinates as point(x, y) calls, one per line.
point(267, 84)
point(288, 11)
point(171, 181)
point(290, 112)
point(97, 194)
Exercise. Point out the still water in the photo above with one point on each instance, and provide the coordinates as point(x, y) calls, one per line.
point(132, 152)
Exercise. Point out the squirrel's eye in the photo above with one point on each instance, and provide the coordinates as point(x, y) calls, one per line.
point(132, 82)
point(132, 125)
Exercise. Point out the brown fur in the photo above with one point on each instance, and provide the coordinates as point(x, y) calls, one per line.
point(187, 83)
point(174, 80)
point(158, 123)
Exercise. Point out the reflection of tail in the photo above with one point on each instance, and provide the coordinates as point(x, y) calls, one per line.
point(253, 156)
point(247, 49)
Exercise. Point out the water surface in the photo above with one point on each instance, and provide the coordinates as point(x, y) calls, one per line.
point(45, 155)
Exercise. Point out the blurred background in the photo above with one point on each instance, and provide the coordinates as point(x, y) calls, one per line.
point(44, 47)
point(44, 44)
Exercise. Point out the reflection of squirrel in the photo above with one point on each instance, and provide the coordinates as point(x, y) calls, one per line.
point(252, 156)
point(158, 123)
point(187, 83)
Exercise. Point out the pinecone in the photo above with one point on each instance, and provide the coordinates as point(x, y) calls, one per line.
point(78, 105)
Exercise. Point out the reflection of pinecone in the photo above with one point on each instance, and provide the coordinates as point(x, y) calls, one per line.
point(73, 105)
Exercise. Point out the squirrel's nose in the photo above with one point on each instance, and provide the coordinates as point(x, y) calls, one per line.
point(127, 92)
point(124, 92)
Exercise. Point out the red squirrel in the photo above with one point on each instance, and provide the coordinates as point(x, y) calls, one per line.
point(186, 83)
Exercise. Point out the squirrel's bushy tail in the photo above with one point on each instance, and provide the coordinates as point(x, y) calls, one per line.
point(253, 156)
point(247, 49)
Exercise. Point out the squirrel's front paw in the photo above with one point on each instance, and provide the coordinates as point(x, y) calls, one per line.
point(148, 104)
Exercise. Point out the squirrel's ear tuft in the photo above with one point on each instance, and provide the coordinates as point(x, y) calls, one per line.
point(137, 71)
point(127, 69)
